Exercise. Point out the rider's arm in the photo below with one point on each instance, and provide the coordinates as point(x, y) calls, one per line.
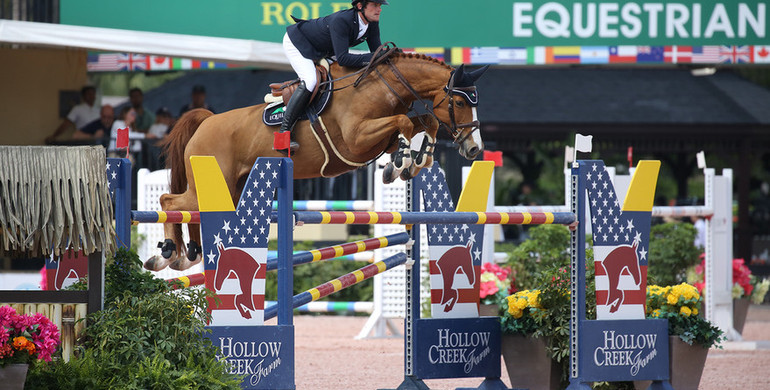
point(340, 33)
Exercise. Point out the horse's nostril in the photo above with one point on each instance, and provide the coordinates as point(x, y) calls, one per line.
point(474, 151)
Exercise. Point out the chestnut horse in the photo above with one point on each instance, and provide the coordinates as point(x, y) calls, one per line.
point(364, 119)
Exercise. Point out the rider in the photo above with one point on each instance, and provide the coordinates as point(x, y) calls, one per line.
point(311, 40)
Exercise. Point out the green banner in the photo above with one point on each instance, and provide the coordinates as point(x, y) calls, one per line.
point(452, 23)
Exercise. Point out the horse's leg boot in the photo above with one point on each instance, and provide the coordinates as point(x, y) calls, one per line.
point(168, 250)
point(297, 104)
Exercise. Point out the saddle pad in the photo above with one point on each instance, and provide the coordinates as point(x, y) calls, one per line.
point(273, 114)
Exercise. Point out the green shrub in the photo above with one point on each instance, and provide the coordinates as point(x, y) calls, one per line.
point(672, 251)
point(147, 337)
point(547, 247)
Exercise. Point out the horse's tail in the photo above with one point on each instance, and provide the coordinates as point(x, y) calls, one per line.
point(174, 145)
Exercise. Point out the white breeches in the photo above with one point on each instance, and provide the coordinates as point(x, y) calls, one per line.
point(304, 67)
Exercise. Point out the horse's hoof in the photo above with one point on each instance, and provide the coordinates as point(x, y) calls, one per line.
point(407, 174)
point(388, 173)
point(157, 263)
point(182, 263)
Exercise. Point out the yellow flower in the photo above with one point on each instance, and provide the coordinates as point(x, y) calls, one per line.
point(685, 311)
point(672, 299)
point(695, 311)
point(517, 314)
point(656, 313)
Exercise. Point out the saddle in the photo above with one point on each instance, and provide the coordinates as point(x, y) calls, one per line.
point(283, 91)
point(280, 93)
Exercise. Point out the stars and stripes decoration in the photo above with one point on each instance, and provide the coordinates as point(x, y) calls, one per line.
point(621, 244)
point(113, 176)
point(454, 251)
point(235, 250)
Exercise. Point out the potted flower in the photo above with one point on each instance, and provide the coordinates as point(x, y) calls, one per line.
point(690, 335)
point(744, 289)
point(23, 340)
point(496, 284)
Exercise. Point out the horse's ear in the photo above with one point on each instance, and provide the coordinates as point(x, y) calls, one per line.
point(476, 74)
point(457, 75)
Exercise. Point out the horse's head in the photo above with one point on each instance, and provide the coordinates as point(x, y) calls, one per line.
point(456, 109)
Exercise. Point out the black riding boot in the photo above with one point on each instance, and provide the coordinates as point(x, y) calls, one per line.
point(297, 104)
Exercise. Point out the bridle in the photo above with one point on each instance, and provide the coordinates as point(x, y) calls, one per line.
point(382, 54)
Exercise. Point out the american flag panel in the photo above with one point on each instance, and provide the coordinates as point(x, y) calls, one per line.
point(621, 244)
point(235, 250)
point(454, 251)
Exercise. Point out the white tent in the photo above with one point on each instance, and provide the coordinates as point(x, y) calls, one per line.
point(239, 51)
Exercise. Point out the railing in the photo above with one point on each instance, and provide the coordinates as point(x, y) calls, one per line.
point(46, 11)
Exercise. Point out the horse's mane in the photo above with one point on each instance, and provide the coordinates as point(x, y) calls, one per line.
point(419, 56)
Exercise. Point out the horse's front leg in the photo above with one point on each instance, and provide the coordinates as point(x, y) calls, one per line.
point(371, 132)
point(172, 249)
point(429, 125)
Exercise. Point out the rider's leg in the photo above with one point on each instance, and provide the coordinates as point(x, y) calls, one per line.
point(305, 69)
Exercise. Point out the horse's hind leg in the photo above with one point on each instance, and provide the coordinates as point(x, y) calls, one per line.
point(173, 246)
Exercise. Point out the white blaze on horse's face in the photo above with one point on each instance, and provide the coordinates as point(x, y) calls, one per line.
point(477, 132)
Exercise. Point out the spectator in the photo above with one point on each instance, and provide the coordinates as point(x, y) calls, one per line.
point(163, 122)
point(82, 114)
point(127, 118)
point(198, 98)
point(144, 117)
point(98, 129)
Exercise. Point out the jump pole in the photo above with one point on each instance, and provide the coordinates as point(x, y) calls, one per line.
point(340, 283)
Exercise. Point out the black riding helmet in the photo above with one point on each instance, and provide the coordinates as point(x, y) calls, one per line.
point(383, 2)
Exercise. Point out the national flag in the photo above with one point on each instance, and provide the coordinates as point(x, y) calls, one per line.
point(705, 54)
point(105, 62)
point(677, 54)
point(160, 63)
point(566, 54)
point(621, 244)
point(649, 54)
point(239, 257)
point(536, 55)
point(181, 63)
point(512, 56)
point(761, 54)
point(594, 55)
point(460, 55)
point(735, 54)
point(435, 52)
point(131, 62)
point(454, 252)
point(484, 55)
point(622, 54)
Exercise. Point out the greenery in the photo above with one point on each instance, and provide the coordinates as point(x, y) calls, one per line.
point(147, 337)
point(547, 247)
point(672, 252)
point(681, 304)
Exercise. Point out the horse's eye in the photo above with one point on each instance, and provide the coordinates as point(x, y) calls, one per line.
point(459, 103)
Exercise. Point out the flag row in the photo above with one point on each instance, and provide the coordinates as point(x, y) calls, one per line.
point(534, 55)
point(117, 62)
point(546, 55)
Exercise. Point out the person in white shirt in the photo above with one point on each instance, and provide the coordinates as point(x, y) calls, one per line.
point(82, 114)
point(127, 118)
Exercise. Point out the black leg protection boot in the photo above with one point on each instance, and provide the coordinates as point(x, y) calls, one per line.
point(297, 104)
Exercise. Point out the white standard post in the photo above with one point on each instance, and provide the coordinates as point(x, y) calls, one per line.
point(719, 252)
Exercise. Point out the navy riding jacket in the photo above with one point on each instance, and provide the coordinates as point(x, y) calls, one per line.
point(334, 35)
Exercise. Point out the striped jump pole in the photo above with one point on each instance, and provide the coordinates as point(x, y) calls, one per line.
point(413, 218)
point(188, 280)
point(165, 217)
point(331, 307)
point(340, 283)
point(343, 249)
